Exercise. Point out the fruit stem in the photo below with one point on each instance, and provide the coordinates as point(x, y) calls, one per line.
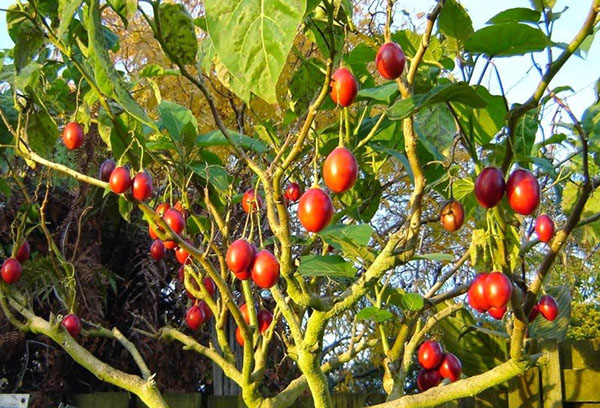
point(347, 123)
point(341, 133)
point(315, 170)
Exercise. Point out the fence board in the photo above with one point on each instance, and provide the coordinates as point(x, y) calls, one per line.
point(552, 389)
point(582, 385)
point(524, 391)
point(100, 400)
point(580, 354)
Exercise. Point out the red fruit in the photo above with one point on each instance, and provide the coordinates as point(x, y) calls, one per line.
point(106, 169)
point(161, 209)
point(11, 271)
point(489, 187)
point(251, 201)
point(119, 180)
point(182, 255)
point(390, 60)
point(452, 215)
point(340, 170)
point(174, 220)
point(343, 87)
point(152, 233)
point(450, 367)
point(72, 324)
point(264, 318)
point(207, 312)
point(195, 317)
point(239, 337)
point(244, 275)
point(544, 228)
point(430, 354)
point(476, 293)
point(210, 286)
point(497, 313)
point(24, 252)
point(72, 135)
point(293, 192)
point(170, 244)
point(497, 289)
point(265, 270)
point(523, 192)
point(548, 307)
point(157, 250)
point(535, 311)
point(244, 310)
point(427, 379)
point(315, 210)
point(240, 255)
point(142, 186)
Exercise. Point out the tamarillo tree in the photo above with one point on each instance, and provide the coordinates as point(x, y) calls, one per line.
point(323, 213)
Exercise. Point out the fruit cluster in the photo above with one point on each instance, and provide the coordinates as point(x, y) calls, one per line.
point(547, 307)
point(490, 292)
point(200, 312)
point(11, 268)
point(264, 319)
point(246, 262)
point(436, 365)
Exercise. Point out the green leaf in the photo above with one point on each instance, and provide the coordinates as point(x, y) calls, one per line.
point(104, 68)
point(385, 93)
point(448, 92)
point(525, 134)
point(358, 60)
point(216, 138)
point(352, 240)
point(482, 124)
point(126, 9)
point(506, 39)
point(541, 328)
point(177, 28)
point(436, 125)
point(42, 133)
point(516, 15)
point(153, 70)
point(66, 10)
point(253, 39)
point(300, 94)
point(541, 4)
point(454, 21)
point(217, 175)
point(463, 187)
point(5, 188)
point(412, 302)
point(375, 314)
point(435, 257)
point(410, 42)
point(326, 265)
point(28, 38)
point(125, 208)
point(179, 121)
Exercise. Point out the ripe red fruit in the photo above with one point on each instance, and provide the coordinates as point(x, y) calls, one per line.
point(293, 192)
point(535, 311)
point(390, 60)
point(244, 310)
point(344, 87)
point(119, 180)
point(523, 192)
point(264, 318)
point(497, 313)
point(207, 312)
point(182, 255)
point(489, 187)
point(497, 289)
point(476, 293)
point(157, 250)
point(161, 209)
point(24, 252)
point(450, 367)
point(427, 379)
point(240, 255)
point(210, 286)
point(239, 337)
point(548, 307)
point(452, 215)
point(265, 270)
point(174, 220)
point(340, 170)
point(142, 186)
point(315, 210)
point(544, 228)
point(72, 324)
point(72, 135)
point(106, 169)
point(195, 317)
point(244, 275)
point(430, 354)
point(11, 271)
point(170, 244)
point(251, 201)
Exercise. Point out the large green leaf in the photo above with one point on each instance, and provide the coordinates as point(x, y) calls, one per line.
point(326, 265)
point(506, 39)
point(216, 138)
point(525, 134)
point(541, 328)
point(516, 15)
point(352, 240)
point(374, 313)
point(454, 21)
point(358, 60)
point(384, 94)
point(410, 42)
point(177, 28)
point(300, 94)
point(66, 11)
point(124, 8)
point(436, 124)
point(448, 92)
point(104, 68)
point(253, 39)
point(42, 133)
point(25, 34)
point(178, 121)
point(216, 175)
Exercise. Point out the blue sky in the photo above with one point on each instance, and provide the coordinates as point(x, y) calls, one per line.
point(519, 81)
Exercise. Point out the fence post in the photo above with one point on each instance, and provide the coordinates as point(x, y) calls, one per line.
point(552, 384)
